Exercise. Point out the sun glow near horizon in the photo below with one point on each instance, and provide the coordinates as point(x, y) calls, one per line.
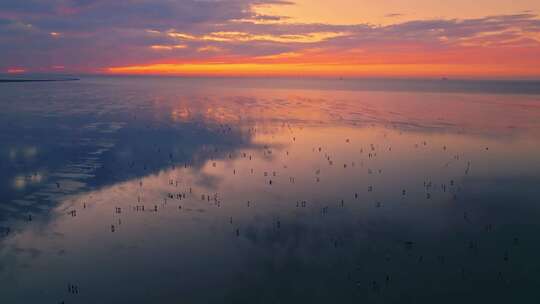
point(324, 70)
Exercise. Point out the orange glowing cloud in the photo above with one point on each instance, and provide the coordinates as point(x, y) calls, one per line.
point(168, 47)
point(15, 70)
point(242, 36)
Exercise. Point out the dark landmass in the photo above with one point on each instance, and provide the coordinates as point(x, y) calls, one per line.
point(37, 80)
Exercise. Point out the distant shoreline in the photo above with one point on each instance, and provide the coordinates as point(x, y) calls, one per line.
point(37, 80)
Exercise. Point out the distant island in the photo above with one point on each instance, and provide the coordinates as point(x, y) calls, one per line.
point(38, 80)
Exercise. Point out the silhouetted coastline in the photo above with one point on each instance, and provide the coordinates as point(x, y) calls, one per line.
point(38, 80)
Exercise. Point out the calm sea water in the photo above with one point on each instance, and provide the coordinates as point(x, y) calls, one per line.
point(169, 190)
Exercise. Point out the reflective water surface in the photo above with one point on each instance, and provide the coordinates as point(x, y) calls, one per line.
point(164, 190)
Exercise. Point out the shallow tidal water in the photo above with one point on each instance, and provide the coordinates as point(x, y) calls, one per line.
point(170, 190)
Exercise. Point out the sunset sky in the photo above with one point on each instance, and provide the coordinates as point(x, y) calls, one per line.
point(421, 38)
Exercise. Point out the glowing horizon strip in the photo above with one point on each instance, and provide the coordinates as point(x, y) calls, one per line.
point(308, 69)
